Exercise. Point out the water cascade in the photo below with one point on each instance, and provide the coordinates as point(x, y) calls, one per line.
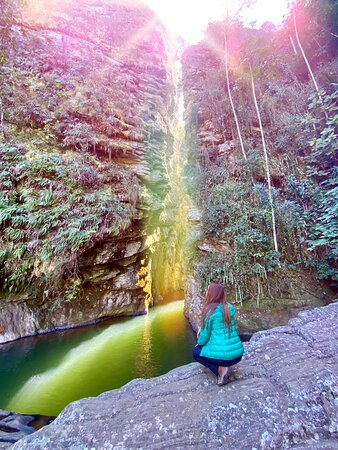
point(55, 369)
point(167, 260)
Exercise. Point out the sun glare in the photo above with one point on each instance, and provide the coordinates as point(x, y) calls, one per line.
point(189, 18)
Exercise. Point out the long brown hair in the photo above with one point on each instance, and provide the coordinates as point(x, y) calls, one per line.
point(214, 296)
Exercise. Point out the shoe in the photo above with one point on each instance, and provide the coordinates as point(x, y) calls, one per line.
point(223, 379)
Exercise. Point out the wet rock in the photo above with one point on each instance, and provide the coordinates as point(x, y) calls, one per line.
point(101, 300)
point(283, 394)
point(250, 317)
point(17, 320)
point(14, 427)
point(193, 301)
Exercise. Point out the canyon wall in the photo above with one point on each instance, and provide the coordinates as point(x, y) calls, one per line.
point(86, 99)
point(231, 239)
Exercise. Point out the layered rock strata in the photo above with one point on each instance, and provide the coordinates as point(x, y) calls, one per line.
point(89, 83)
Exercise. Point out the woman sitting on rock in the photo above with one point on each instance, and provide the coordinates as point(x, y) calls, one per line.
point(218, 344)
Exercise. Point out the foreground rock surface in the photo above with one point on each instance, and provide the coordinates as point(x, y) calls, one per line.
point(283, 394)
point(14, 427)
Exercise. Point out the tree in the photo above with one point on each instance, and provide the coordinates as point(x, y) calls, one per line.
point(230, 96)
point(322, 170)
point(305, 58)
point(226, 62)
point(266, 159)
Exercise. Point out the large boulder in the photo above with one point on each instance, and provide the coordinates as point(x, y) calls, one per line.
point(283, 394)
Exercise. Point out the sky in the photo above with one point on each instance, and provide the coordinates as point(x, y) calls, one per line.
point(188, 18)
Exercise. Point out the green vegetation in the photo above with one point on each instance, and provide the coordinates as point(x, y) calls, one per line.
point(53, 207)
point(78, 112)
point(261, 144)
point(240, 196)
point(322, 170)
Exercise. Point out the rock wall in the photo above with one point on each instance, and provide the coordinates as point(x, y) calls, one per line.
point(88, 82)
point(301, 290)
point(283, 394)
point(302, 293)
point(230, 222)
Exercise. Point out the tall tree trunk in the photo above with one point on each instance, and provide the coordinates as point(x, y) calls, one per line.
point(230, 96)
point(1, 119)
point(266, 163)
point(293, 45)
point(305, 58)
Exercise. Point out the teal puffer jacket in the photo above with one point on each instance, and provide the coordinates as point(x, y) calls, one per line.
point(215, 338)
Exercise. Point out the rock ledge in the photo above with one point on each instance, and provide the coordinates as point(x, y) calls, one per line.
point(283, 394)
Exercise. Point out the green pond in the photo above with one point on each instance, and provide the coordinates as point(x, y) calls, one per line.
point(42, 374)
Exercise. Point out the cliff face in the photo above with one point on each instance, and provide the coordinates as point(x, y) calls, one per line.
point(86, 102)
point(284, 391)
point(230, 215)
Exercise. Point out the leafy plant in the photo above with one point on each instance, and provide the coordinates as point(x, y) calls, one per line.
point(52, 208)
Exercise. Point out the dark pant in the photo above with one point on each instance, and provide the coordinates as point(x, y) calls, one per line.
point(211, 363)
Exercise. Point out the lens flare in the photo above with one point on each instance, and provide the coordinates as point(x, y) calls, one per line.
point(189, 18)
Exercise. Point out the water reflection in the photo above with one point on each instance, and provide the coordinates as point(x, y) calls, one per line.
point(71, 365)
point(143, 364)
